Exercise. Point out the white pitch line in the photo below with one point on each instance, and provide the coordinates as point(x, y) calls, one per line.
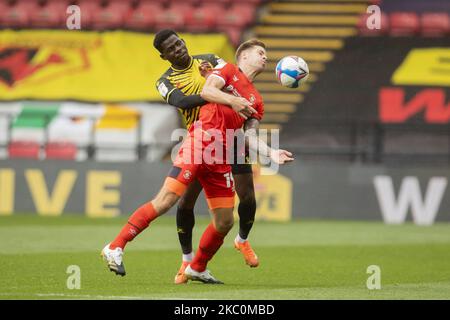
point(87, 296)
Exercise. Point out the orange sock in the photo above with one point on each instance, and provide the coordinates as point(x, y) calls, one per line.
point(138, 221)
point(210, 242)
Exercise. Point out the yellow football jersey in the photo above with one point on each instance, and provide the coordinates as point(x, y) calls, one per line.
point(189, 81)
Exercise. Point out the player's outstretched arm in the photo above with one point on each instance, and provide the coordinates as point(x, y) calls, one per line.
point(212, 92)
point(178, 99)
point(256, 144)
point(175, 97)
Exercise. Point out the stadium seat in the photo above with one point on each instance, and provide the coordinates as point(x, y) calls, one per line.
point(221, 2)
point(213, 8)
point(160, 2)
point(192, 3)
point(200, 19)
point(18, 14)
point(247, 10)
point(111, 15)
point(365, 31)
point(61, 150)
point(246, 2)
point(233, 19)
point(49, 15)
point(435, 24)
point(89, 9)
point(404, 24)
point(24, 149)
point(143, 16)
point(170, 18)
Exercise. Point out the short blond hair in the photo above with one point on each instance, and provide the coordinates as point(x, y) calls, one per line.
point(247, 45)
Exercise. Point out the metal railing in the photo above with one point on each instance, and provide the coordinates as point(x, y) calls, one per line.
point(91, 145)
point(313, 139)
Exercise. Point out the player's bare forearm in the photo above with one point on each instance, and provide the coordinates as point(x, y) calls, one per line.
point(212, 92)
point(253, 141)
point(256, 144)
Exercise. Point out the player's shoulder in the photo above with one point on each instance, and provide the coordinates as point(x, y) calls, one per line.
point(163, 84)
point(164, 77)
point(166, 74)
point(210, 57)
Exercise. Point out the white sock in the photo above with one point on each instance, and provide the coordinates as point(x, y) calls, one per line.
point(188, 257)
point(239, 239)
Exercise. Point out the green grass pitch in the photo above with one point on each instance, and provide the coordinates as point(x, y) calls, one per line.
point(299, 260)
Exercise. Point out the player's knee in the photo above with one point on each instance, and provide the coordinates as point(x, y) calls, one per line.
point(164, 201)
point(224, 224)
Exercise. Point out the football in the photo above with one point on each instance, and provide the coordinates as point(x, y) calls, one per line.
point(291, 71)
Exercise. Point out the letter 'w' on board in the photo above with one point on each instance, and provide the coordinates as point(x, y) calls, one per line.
point(423, 210)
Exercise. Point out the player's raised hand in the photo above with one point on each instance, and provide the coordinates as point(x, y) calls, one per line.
point(281, 156)
point(243, 107)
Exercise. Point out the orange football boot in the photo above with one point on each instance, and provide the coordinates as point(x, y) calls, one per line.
point(249, 255)
point(180, 278)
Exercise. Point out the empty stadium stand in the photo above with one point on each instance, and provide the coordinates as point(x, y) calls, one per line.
point(229, 16)
point(414, 18)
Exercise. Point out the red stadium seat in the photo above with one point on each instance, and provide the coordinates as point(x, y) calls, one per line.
point(435, 24)
point(24, 149)
point(215, 9)
point(51, 15)
point(365, 31)
point(404, 24)
point(170, 18)
point(160, 2)
point(247, 10)
point(247, 2)
point(200, 19)
point(61, 150)
point(143, 17)
point(220, 2)
point(112, 15)
point(18, 15)
point(182, 7)
point(233, 19)
point(193, 3)
point(3, 6)
point(89, 9)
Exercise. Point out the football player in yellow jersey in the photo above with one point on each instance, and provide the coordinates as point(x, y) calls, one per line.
point(180, 86)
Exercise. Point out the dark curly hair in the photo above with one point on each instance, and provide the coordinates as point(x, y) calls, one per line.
point(162, 36)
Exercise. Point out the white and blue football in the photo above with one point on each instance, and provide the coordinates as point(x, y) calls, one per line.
point(291, 71)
